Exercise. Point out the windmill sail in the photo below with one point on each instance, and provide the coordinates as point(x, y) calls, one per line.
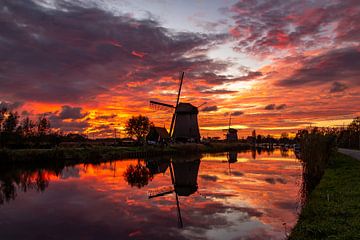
point(177, 103)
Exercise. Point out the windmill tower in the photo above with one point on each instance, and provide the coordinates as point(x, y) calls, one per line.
point(184, 123)
point(231, 134)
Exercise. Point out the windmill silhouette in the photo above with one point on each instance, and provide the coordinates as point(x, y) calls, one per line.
point(184, 123)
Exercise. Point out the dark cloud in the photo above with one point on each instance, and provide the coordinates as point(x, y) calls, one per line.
point(219, 91)
point(262, 27)
point(274, 106)
point(210, 109)
point(68, 112)
point(337, 87)
point(68, 119)
point(270, 107)
point(72, 53)
point(237, 113)
point(106, 117)
point(281, 107)
point(10, 105)
point(337, 65)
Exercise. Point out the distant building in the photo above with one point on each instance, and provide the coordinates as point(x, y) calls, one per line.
point(158, 135)
point(231, 135)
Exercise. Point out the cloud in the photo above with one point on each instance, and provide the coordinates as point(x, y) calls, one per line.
point(219, 91)
point(281, 107)
point(68, 112)
point(237, 113)
point(266, 27)
point(210, 109)
point(68, 119)
point(10, 105)
point(338, 87)
point(274, 106)
point(270, 107)
point(60, 55)
point(336, 65)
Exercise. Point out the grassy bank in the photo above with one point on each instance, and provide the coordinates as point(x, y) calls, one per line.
point(102, 153)
point(333, 207)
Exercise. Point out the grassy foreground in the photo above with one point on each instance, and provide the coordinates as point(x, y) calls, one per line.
point(333, 208)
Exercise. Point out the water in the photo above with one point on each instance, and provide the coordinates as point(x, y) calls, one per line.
point(216, 196)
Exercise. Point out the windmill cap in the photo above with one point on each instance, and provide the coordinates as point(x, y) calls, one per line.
point(187, 108)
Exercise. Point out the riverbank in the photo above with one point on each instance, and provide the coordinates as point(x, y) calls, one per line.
point(104, 153)
point(333, 208)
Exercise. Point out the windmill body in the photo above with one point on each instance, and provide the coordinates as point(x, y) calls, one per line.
point(186, 123)
point(231, 134)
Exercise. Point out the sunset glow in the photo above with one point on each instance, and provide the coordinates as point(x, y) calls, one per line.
point(275, 66)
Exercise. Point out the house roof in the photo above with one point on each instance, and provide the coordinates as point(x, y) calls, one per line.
point(163, 133)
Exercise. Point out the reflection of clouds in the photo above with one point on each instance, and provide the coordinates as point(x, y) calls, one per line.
point(237, 174)
point(237, 225)
point(211, 178)
point(99, 204)
point(70, 172)
point(275, 180)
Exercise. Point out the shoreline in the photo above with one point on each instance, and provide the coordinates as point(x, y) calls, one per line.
point(107, 153)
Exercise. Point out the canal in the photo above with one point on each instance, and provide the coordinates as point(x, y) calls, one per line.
point(237, 195)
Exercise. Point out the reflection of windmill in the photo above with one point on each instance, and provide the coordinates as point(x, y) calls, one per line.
point(184, 124)
point(184, 182)
point(232, 158)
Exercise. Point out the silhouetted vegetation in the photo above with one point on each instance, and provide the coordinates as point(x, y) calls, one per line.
point(24, 178)
point(138, 126)
point(316, 147)
point(349, 137)
point(25, 133)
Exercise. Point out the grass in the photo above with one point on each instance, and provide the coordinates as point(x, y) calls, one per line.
point(333, 207)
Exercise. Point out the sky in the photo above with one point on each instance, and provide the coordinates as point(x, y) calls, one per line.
point(89, 65)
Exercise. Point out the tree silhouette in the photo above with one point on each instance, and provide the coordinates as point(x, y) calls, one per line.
point(138, 126)
point(43, 125)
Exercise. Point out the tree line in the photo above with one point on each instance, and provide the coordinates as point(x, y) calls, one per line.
point(26, 133)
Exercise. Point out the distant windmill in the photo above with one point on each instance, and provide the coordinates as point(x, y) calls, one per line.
point(231, 134)
point(184, 124)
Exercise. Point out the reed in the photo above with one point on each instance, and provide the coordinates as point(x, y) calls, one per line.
point(316, 148)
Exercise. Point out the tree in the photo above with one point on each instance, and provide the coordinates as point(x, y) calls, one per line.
point(138, 126)
point(3, 112)
point(10, 122)
point(28, 126)
point(43, 125)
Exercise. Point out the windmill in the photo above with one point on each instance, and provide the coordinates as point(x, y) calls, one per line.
point(184, 124)
point(231, 134)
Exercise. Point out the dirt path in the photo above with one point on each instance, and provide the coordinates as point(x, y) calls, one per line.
point(350, 152)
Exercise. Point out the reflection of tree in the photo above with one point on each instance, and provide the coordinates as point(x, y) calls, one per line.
point(284, 152)
point(11, 181)
point(138, 175)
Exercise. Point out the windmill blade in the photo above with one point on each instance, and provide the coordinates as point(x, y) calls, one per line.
point(177, 103)
point(160, 106)
point(202, 104)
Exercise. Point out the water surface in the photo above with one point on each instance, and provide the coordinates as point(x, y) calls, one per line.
point(213, 196)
